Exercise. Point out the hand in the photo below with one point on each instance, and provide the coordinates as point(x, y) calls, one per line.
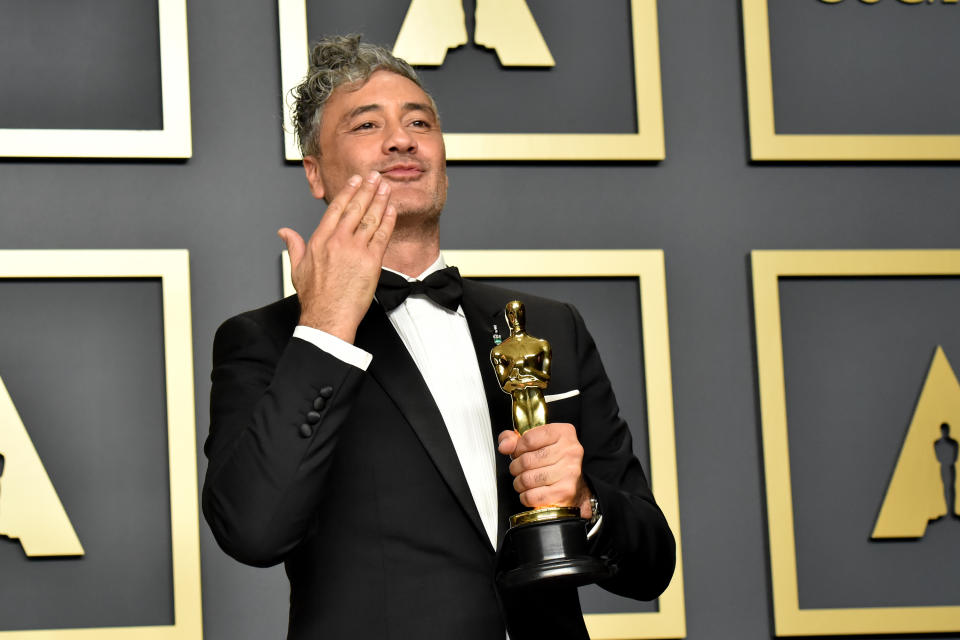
point(547, 467)
point(336, 272)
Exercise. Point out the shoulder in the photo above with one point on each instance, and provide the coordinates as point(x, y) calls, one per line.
point(284, 312)
point(492, 295)
point(274, 322)
point(545, 317)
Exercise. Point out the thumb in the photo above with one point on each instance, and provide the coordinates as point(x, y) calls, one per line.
point(295, 245)
point(507, 442)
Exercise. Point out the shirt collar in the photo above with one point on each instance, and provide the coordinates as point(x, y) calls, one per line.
point(438, 264)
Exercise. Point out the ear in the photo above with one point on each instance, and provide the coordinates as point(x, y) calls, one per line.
point(311, 168)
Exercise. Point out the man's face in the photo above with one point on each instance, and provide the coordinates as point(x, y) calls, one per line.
point(385, 125)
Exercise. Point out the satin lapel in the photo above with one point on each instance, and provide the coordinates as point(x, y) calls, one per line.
point(396, 372)
point(484, 308)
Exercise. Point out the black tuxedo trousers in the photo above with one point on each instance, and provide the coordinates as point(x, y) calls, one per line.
point(351, 480)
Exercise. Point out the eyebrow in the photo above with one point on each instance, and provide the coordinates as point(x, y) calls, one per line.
point(418, 106)
point(406, 108)
point(365, 108)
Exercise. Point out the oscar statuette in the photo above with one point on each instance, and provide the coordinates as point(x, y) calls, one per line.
point(546, 545)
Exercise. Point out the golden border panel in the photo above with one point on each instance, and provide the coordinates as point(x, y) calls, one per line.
point(768, 268)
point(767, 144)
point(172, 268)
point(647, 266)
point(173, 141)
point(647, 144)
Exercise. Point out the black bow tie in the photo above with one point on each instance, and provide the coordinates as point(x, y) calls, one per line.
point(444, 287)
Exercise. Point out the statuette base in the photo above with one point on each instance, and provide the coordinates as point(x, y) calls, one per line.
point(550, 552)
point(544, 514)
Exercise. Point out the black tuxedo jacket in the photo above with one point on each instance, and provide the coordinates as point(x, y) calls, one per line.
point(365, 501)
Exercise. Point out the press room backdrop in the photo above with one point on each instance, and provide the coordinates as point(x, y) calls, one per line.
point(856, 350)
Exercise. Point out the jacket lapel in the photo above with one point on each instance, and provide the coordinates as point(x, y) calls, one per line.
point(395, 371)
point(484, 307)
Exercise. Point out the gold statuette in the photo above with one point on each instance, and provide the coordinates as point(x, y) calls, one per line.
point(548, 543)
point(522, 363)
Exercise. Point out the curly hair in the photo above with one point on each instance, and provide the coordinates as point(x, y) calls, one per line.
point(337, 61)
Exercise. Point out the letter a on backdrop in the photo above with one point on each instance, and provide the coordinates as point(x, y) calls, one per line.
point(916, 492)
point(30, 509)
point(432, 27)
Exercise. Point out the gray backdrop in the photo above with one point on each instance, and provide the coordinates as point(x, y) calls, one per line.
point(706, 206)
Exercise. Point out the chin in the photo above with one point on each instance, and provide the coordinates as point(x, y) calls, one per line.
point(417, 217)
point(423, 208)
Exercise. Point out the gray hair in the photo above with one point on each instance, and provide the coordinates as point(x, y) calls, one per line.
point(336, 61)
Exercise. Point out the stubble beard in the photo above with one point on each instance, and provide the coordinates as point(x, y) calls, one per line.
point(421, 220)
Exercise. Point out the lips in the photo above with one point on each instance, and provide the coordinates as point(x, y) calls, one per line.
point(405, 171)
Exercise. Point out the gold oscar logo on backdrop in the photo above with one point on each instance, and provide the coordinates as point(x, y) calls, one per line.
point(508, 29)
point(433, 27)
point(927, 453)
point(924, 486)
point(30, 509)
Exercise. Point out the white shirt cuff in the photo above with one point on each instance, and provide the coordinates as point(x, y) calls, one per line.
point(595, 528)
point(333, 345)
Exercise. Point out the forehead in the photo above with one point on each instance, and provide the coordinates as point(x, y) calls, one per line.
point(383, 88)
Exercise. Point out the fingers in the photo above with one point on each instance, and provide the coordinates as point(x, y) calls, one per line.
point(336, 273)
point(295, 245)
point(372, 219)
point(551, 490)
point(507, 442)
point(543, 477)
point(335, 209)
point(357, 210)
point(547, 465)
point(381, 235)
point(536, 458)
point(542, 436)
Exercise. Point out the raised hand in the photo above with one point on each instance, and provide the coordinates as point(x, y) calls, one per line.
point(335, 273)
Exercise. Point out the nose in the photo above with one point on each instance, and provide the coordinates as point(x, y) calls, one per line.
point(399, 140)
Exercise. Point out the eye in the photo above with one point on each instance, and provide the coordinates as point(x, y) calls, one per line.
point(421, 124)
point(363, 126)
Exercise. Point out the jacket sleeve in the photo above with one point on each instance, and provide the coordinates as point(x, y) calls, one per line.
point(268, 458)
point(634, 534)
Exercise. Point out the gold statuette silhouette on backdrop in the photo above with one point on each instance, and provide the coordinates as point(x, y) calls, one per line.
point(30, 509)
point(433, 27)
point(924, 485)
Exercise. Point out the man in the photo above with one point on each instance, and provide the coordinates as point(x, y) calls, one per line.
point(353, 438)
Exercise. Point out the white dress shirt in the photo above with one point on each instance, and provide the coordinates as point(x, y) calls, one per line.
point(439, 342)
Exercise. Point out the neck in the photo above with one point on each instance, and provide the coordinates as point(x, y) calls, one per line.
point(412, 250)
